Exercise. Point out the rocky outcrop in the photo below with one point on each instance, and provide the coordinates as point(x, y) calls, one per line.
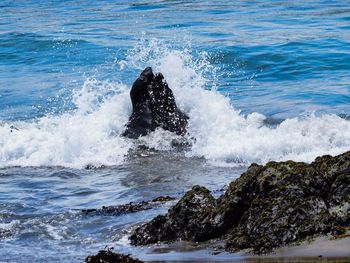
point(267, 207)
point(186, 220)
point(108, 256)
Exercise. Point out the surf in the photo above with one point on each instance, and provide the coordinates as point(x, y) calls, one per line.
point(90, 133)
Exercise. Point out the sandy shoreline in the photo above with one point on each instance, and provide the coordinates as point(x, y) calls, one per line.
point(322, 246)
point(322, 249)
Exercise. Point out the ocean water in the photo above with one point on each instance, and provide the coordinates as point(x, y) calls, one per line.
point(260, 81)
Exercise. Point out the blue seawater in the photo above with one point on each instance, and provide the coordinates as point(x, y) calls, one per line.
point(260, 80)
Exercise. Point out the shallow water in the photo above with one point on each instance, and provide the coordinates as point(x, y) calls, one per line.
point(260, 80)
point(41, 207)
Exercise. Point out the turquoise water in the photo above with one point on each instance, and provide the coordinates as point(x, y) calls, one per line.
point(260, 80)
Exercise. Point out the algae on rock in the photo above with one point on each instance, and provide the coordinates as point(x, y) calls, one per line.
point(267, 207)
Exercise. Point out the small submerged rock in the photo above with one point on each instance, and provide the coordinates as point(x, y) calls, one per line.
point(8, 230)
point(128, 208)
point(108, 256)
point(267, 207)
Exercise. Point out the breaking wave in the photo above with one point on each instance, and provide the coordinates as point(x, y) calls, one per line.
point(90, 135)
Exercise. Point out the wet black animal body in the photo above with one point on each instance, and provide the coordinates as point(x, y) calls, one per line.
point(153, 106)
point(141, 120)
point(165, 112)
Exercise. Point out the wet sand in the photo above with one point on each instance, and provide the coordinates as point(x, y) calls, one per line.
point(321, 247)
point(321, 250)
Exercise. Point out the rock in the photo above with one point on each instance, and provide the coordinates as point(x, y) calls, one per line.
point(267, 207)
point(108, 256)
point(163, 199)
point(128, 208)
point(186, 220)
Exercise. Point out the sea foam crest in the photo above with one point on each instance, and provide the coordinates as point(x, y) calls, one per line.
point(87, 135)
point(217, 131)
point(225, 136)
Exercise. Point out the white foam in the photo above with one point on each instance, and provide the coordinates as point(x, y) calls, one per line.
point(8, 230)
point(9, 226)
point(90, 134)
point(224, 136)
point(55, 232)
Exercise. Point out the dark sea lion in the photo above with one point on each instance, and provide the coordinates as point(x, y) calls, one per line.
point(165, 112)
point(141, 120)
point(154, 105)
